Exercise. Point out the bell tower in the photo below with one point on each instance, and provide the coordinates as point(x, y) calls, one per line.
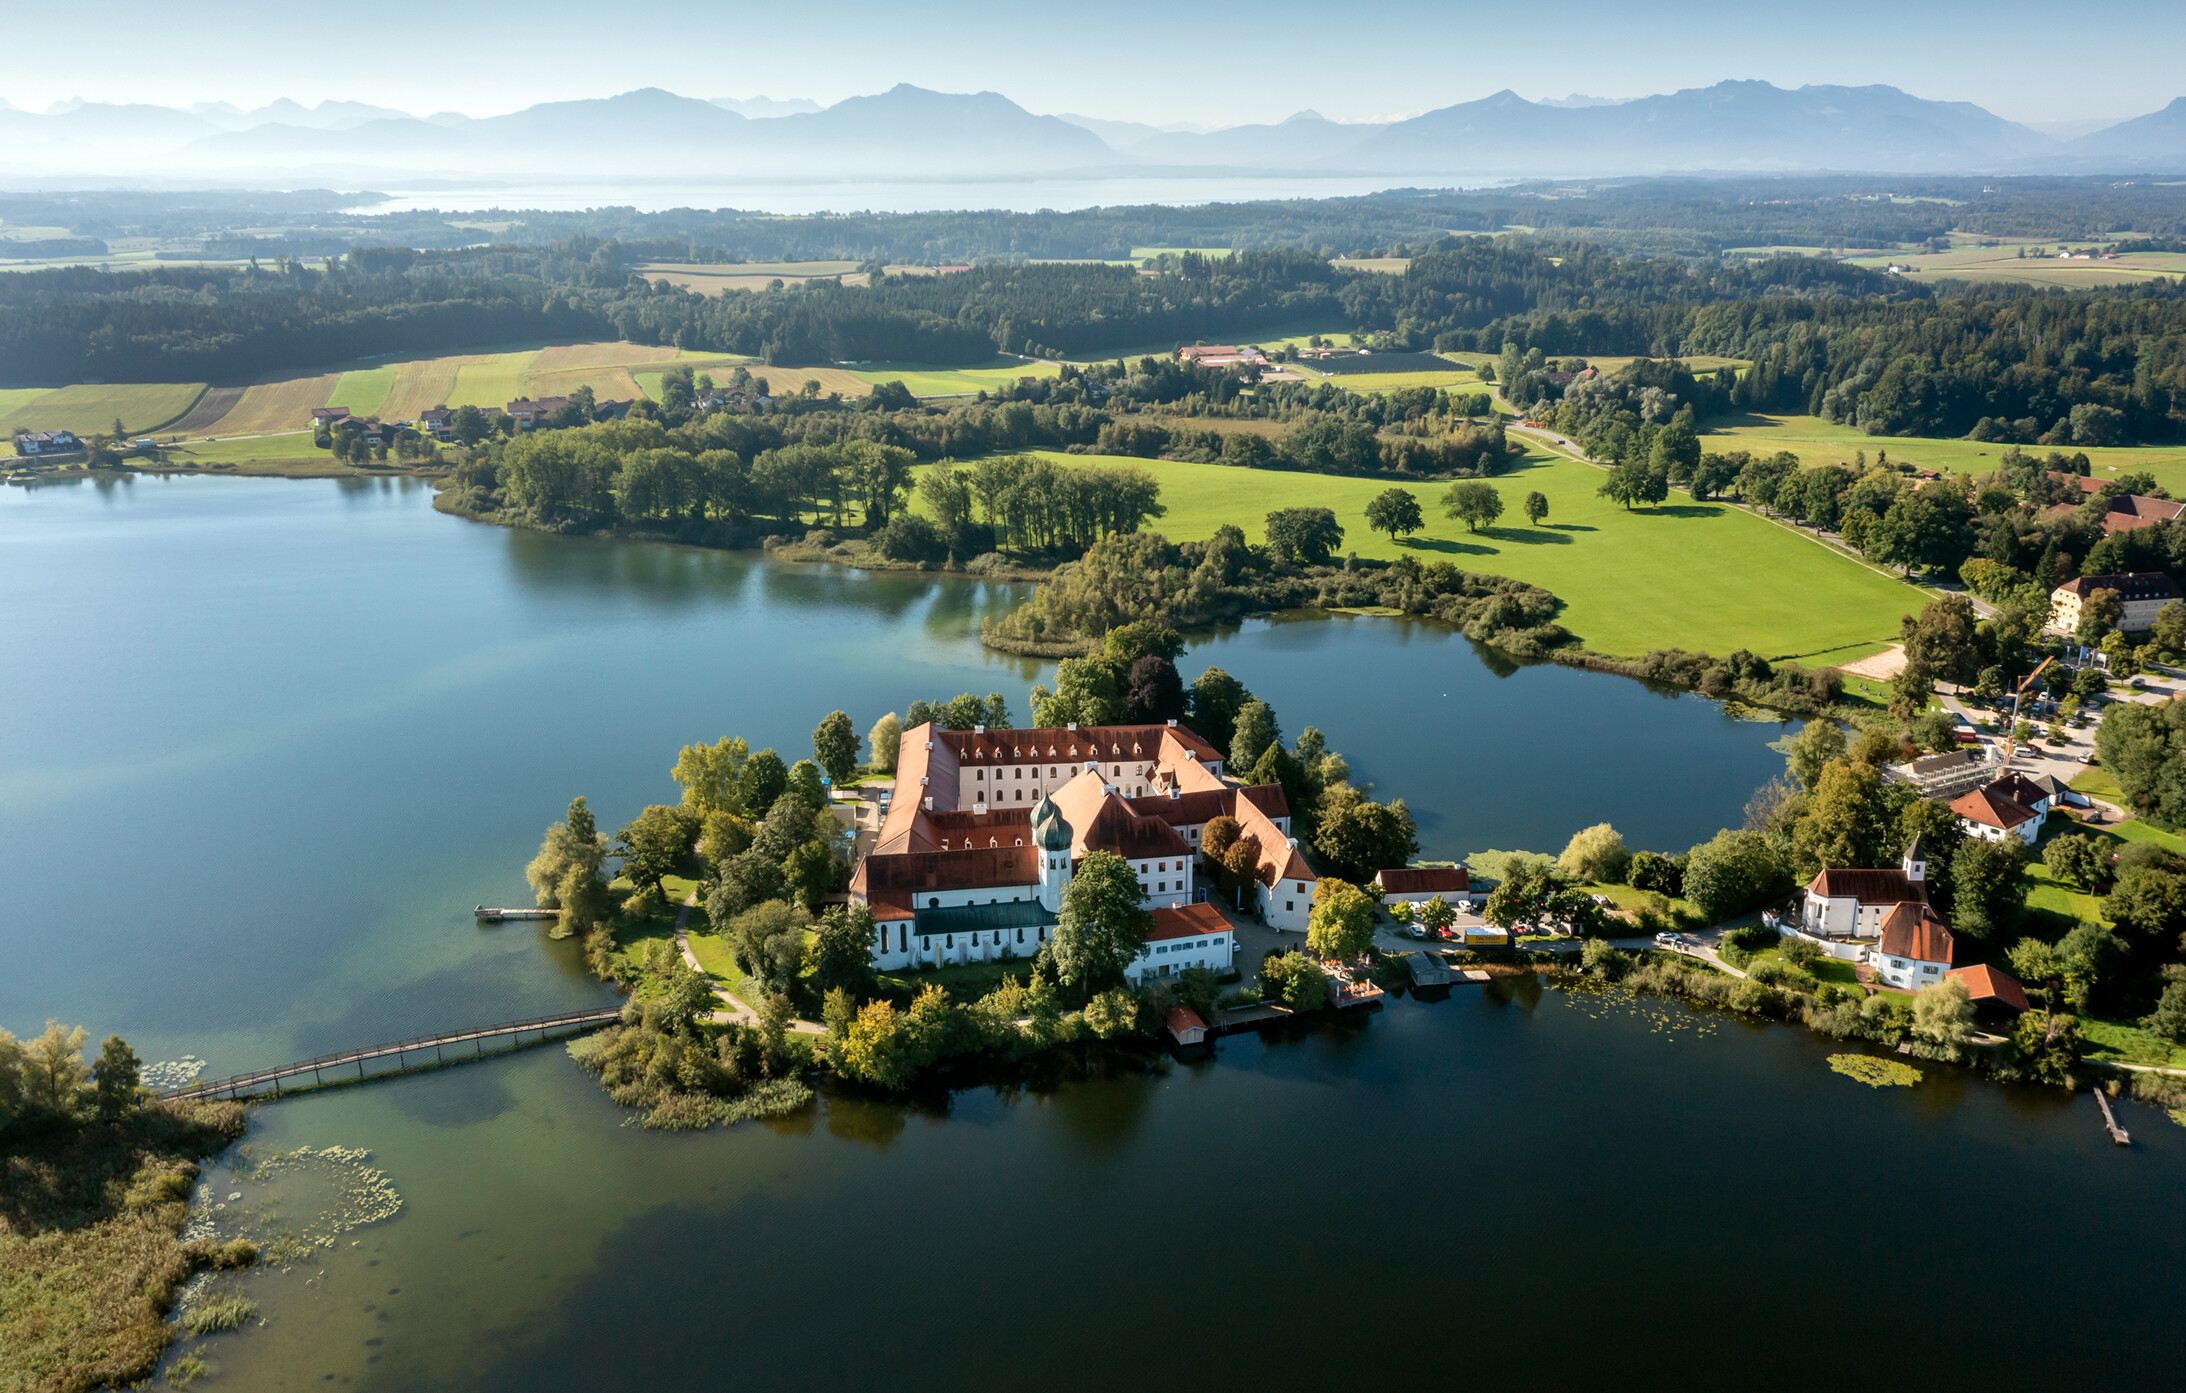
point(1051, 837)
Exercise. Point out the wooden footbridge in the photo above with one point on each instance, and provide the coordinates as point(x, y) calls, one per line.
point(512, 1032)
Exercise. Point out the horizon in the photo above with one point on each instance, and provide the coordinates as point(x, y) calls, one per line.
point(1348, 73)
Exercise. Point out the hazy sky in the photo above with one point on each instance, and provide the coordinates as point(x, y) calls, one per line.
point(1212, 64)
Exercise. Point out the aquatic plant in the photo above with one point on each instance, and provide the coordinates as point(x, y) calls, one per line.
point(218, 1313)
point(1875, 1073)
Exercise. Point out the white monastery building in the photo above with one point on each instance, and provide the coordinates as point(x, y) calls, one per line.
point(985, 827)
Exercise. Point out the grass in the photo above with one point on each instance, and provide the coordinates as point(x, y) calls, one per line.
point(271, 407)
point(490, 380)
point(2097, 783)
point(1001, 371)
point(1696, 575)
point(89, 1250)
point(966, 980)
point(1389, 381)
point(2125, 1042)
point(1816, 441)
point(1834, 970)
point(142, 406)
point(365, 390)
point(14, 399)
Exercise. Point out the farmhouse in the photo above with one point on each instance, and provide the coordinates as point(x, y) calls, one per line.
point(1993, 814)
point(2141, 593)
point(1853, 903)
point(984, 829)
point(1221, 355)
point(1915, 948)
point(438, 422)
point(328, 415)
point(47, 442)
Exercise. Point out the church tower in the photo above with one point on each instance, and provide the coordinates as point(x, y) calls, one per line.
point(1051, 835)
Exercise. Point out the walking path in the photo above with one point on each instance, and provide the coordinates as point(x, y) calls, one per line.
point(737, 1011)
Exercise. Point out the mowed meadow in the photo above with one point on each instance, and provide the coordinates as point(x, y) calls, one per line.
point(1695, 575)
point(1816, 441)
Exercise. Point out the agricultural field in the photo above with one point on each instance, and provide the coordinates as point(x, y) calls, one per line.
point(2040, 266)
point(1697, 575)
point(1001, 371)
point(364, 391)
point(1387, 265)
point(1142, 253)
point(142, 407)
point(715, 278)
point(1390, 381)
point(1816, 441)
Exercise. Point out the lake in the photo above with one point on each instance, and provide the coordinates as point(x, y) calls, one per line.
point(271, 739)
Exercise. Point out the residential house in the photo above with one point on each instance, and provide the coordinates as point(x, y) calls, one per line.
point(529, 414)
point(326, 416)
point(1851, 904)
point(438, 422)
point(37, 443)
point(2141, 593)
point(1419, 884)
point(1914, 950)
point(1996, 996)
point(1994, 816)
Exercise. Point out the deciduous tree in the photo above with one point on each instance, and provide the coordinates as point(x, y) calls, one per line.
point(1103, 923)
point(1473, 503)
point(1394, 511)
point(835, 745)
point(1341, 923)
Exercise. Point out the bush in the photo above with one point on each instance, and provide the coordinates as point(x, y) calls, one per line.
point(1604, 961)
point(1651, 870)
point(1801, 953)
point(910, 537)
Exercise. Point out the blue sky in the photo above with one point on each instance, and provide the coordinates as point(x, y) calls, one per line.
point(1211, 64)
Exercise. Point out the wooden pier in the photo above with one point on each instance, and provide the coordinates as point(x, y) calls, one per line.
point(495, 916)
point(2110, 1122)
point(545, 1027)
point(1230, 1019)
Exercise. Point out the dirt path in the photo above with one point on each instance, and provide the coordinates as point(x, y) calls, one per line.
point(737, 1011)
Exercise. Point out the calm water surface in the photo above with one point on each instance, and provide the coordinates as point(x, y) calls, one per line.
point(270, 739)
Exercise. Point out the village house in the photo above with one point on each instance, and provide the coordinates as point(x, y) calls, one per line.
point(1914, 951)
point(1851, 904)
point(1994, 815)
point(438, 422)
point(325, 416)
point(2128, 511)
point(529, 414)
point(37, 443)
point(2141, 593)
point(1419, 884)
point(984, 829)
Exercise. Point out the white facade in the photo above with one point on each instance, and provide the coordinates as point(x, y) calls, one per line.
point(2026, 833)
point(1906, 974)
point(1168, 957)
point(1287, 904)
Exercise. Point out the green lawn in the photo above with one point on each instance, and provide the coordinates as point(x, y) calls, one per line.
point(142, 407)
point(714, 955)
point(1700, 576)
point(970, 979)
point(2126, 1042)
point(1834, 970)
point(491, 384)
point(1816, 441)
point(14, 399)
point(2097, 783)
point(947, 382)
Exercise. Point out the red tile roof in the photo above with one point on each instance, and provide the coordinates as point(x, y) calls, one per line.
point(1101, 821)
point(1060, 744)
point(2135, 585)
point(1187, 921)
point(1424, 880)
point(913, 873)
point(1992, 809)
point(1184, 1021)
point(1869, 886)
point(1913, 931)
point(1985, 983)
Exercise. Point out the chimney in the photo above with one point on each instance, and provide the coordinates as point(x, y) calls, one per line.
point(1071, 726)
point(929, 804)
point(979, 730)
point(1172, 723)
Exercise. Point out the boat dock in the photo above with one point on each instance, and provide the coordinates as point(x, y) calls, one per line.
point(2110, 1122)
point(495, 916)
point(1431, 969)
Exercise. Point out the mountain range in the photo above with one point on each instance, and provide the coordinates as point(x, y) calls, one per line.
point(910, 132)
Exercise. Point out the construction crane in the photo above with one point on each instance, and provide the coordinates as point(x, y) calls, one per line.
point(2018, 698)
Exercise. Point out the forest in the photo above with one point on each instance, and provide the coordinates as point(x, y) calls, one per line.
point(2009, 362)
point(1682, 216)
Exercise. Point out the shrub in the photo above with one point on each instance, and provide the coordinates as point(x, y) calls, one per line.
point(1801, 953)
point(1651, 870)
point(1604, 961)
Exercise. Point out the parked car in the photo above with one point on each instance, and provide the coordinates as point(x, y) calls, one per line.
point(1418, 931)
point(1667, 940)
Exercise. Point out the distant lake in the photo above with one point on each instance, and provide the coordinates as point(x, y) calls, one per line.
point(1026, 195)
point(270, 740)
